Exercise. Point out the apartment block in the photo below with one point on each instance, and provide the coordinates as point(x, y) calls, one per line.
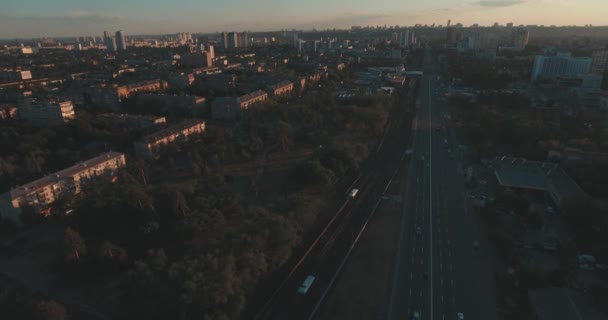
point(229, 108)
point(132, 121)
point(145, 86)
point(67, 182)
point(281, 88)
point(45, 112)
point(149, 146)
point(8, 111)
point(193, 105)
point(7, 75)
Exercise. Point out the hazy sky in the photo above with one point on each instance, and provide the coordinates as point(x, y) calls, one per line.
point(35, 18)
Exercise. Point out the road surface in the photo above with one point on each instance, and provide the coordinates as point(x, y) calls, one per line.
point(326, 257)
point(438, 272)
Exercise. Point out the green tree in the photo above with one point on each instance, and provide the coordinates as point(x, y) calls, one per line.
point(74, 243)
point(50, 310)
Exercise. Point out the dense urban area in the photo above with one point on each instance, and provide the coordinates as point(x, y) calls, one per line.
point(207, 176)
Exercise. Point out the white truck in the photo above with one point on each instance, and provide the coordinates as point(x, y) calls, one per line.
point(353, 193)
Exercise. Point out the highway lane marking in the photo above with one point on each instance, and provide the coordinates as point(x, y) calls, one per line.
point(410, 292)
point(411, 278)
point(430, 201)
point(452, 282)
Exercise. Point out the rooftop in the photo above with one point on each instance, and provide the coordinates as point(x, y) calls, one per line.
point(171, 130)
point(63, 174)
point(537, 175)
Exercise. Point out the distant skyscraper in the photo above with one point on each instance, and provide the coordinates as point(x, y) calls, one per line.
point(109, 41)
point(121, 42)
point(243, 40)
point(233, 40)
point(225, 40)
point(211, 52)
point(599, 61)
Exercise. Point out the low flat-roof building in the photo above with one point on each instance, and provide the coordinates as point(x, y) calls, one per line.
point(45, 112)
point(8, 111)
point(149, 146)
point(193, 105)
point(230, 108)
point(145, 86)
point(281, 88)
point(131, 120)
point(67, 182)
point(548, 177)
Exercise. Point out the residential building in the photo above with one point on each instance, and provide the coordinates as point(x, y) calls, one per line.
point(233, 40)
point(149, 146)
point(599, 61)
point(197, 60)
point(7, 111)
point(243, 41)
point(121, 41)
point(45, 112)
point(193, 105)
point(211, 52)
point(67, 182)
point(229, 108)
point(604, 100)
point(181, 80)
point(145, 86)
point(225, 39)
point(109, 41)
point(130, 120)
point(281, 88)
point(8, 75)
point(519, 38)
point(559, 66)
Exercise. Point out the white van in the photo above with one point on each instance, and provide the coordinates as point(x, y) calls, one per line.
point(303, 289)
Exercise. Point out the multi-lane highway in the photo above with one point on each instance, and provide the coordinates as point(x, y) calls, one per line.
point(438, 272)
point(329, 252)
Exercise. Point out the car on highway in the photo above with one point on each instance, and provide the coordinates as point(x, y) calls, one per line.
point(303, 289)
point(428, 164)
point(353, 193)
point(445, 141)
point(460, 316)
point(415, 315)
point(418, 230)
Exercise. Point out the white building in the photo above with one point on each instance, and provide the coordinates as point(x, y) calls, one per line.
point(560, 66)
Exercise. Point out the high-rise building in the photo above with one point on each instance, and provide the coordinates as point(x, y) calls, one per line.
point(519, 38)
point(211, 52)
point(243, 40)
point(109, 41)
point(451, 35)
point(233, 40)
point(225, 40)
point(121, 42)
point(599, 61)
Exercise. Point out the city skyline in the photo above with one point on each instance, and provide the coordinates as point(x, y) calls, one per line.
point(34, 18)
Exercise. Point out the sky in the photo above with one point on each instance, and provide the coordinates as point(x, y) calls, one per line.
point(44, 18)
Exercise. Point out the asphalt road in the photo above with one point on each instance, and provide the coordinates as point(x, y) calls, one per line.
point(438, 271)
point(328, 254)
